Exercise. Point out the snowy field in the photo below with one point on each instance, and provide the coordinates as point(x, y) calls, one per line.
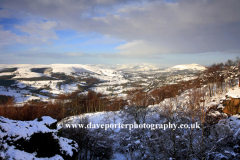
point(23, 92)
point(114, 80)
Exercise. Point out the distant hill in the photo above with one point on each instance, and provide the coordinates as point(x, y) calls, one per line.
point(34, 70)
point(195, 67)
point(135, 67)
point(28, 82)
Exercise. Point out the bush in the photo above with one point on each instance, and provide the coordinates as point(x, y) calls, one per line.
point(39, 70)
point(6, 77)
point(7, 83)
point(5, 99)
point(42, 143)
point(36, 79)
point(8, 70)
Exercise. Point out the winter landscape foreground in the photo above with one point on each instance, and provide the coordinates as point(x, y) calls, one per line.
point(42, 107)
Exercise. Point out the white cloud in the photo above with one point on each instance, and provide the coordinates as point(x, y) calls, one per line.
point(75, 54)
point(149, 27)
point(101, 40)
point(35, 34)
point(140, 48)
point(38, 33)
point(7, 38)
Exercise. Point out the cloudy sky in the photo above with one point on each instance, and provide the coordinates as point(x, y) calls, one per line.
point(119, 31)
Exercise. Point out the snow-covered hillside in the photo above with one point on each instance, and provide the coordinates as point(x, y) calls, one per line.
point(23, 140)
point(124, 139)
point(102, 136)
point(24, 70)
point(188, 67)
point(137, 68)
point(130, 67)
point(34, 81)
point(53, 79)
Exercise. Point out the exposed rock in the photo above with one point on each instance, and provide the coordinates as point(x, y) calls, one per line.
point(34, 139)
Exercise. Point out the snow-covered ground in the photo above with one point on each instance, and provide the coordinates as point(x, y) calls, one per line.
point(24, 70)
point(6, 74)
point(22, 96)
point(180, 102)
point(188, 66)
point(109, 77)
point(113, 78)
point(234, 93)
point(17, 130)
point(120, 117)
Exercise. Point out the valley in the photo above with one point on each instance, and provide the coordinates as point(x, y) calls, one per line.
point(64, 100)
point(44, 82)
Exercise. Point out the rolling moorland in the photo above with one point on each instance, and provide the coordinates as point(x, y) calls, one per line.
point(37, 101)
